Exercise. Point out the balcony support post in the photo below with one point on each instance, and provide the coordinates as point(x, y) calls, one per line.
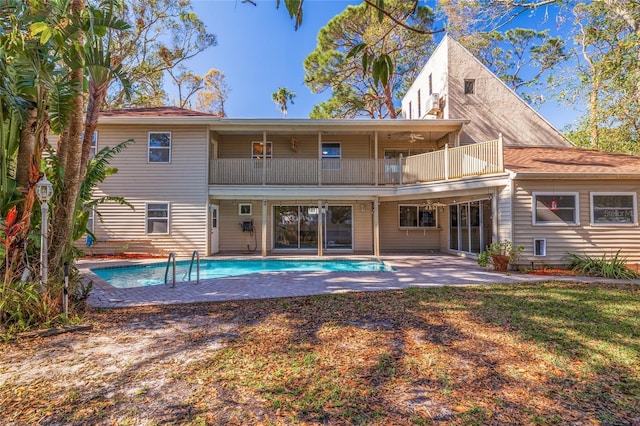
point(376, 227)
point(320, 228)
point(375, 157)
point(500, 153)
point(319, 158)
point(264, 229)
point(446, 161)
point(264, 157)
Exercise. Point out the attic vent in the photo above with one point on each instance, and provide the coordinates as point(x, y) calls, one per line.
point(469, 87)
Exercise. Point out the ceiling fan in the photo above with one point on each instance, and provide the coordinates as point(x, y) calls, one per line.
point(412, 137)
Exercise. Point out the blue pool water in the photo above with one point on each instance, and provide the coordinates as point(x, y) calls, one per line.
point(153, 274)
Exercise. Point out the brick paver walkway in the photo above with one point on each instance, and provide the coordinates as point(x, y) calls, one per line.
point(410, 271)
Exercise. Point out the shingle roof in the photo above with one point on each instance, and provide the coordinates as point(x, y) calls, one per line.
point(167, 111)
point(569, 160)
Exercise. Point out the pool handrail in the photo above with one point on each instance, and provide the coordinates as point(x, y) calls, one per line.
point(172, 255)
point(195, 255)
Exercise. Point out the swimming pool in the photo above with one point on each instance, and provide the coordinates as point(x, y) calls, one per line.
point(153, 274)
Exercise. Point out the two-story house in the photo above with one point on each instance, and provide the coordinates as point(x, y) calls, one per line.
point(470, 163)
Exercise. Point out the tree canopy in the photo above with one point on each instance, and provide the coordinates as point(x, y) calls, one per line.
point(355, 91)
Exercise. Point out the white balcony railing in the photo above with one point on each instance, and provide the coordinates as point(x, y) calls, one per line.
point(472, 160)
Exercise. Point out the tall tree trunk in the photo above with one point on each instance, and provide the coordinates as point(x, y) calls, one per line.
point(97, 95)
point(388, 100)
point(71, 144)
point(27, 147)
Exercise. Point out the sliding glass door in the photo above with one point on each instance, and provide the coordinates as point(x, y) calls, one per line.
point(296, 227)
point(470, 226)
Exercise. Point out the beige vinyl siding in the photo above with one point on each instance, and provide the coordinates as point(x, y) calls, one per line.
point(363, 227)
point(233, 240)
point(394, 239)
point(231, 237)
point(181, 183)
point(505, 214)
point(578, 239)
point(306, 146)
point(418, 147)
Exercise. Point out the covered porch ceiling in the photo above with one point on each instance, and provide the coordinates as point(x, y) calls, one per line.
point(386, 129)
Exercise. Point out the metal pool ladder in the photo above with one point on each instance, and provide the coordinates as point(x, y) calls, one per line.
point(172, 256)
point(195, 255)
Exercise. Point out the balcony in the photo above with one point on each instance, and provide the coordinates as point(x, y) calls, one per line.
point(449, 163)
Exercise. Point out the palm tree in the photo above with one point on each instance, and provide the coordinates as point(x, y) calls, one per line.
point(281, 97)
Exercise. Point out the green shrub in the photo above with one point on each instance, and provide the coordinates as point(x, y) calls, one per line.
point(499, 248)
point(614, 267)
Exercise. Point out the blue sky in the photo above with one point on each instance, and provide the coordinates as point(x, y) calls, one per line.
point(259, 51)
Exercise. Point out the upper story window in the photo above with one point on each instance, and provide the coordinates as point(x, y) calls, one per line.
point(419, 105)
point(413, 216)
point(258, 151)
point(555, 209)
point(157, 218)
point(617, 208)
point(469, 86)
point(410, 111)
point(159, 147)
point(331, 154)
point(430, 84)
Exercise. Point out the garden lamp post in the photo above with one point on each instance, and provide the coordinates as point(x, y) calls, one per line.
point(44, 191)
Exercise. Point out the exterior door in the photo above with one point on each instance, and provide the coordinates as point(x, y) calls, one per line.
point(213, 228)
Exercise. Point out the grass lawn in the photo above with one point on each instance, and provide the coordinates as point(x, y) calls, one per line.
point(555, 353)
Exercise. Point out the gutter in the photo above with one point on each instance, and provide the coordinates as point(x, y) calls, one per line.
point(574, 175)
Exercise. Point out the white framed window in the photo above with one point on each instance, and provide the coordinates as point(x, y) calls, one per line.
point(245, 209)
point(416, 216)
point(555, 208)
point(157, 218)
point(419, 105)
point(159, 148)
point(614, 208)
point(539, 247)
point(331, 154)
point(258, 151)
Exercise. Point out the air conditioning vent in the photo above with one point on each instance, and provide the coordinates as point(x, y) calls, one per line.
point(433, 104)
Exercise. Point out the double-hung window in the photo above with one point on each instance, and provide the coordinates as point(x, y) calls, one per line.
point(414, 216)
point(618, 208)
point(157, 218)
point(159, 147)
point(555, 209)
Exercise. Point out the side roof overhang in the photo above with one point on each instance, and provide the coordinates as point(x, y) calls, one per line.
point(254, 125)
point(569, 163)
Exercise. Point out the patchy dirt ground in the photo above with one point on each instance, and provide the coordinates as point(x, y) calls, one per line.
point(442, 356)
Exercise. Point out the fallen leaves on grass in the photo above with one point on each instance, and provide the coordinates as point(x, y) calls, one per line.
point(527, 354)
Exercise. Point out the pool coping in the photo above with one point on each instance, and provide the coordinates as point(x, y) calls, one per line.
point(422, 271)
point(85, 266)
